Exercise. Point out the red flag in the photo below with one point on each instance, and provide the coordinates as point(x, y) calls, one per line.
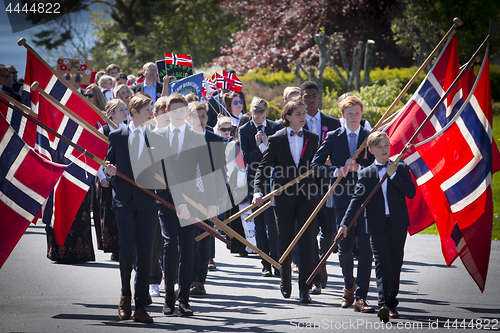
point(26, 181)
point(179, 59)
point(62, 206)
point(435, 84)
point(24, 128)
point(458, 187)
point(232, 81)
point(36, 70)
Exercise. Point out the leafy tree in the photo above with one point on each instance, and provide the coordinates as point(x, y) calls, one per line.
point(131, 33)
point(423, 24)
point(278, 32)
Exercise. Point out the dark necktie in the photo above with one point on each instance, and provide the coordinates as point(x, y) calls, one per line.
point(175, 142)
point(134, 148)
point(259, 128)
point(381, 166)
point(293, 133)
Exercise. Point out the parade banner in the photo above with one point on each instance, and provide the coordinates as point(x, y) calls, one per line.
point(187, 85)
point(76, 71)
point(177, 71)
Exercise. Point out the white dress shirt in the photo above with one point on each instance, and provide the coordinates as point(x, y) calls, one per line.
point(381, 174)
point(131, 136)
point(262, 146)
point(295, 145)
point(317, 121)
point(181, 134)
point(336, 173)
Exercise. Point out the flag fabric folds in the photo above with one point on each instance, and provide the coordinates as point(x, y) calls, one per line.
point(36, 70)
point(63, 204)
point(179, 59)
point(402, 128)
point(232, 81)
point(24, 128)
point(457, 186)
point(26, 181)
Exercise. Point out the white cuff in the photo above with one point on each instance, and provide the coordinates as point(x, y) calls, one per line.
point(262, 148)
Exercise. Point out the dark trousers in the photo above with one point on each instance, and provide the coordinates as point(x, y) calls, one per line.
point(202, 253)
point(136, 230)
point(388, 251)
point(326, 221)
point(286, 217)
point(266, 235)
point(178, 249)
point(364, 258)
point(157, 258)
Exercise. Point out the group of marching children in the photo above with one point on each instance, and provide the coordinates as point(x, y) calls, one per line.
point(224, 157)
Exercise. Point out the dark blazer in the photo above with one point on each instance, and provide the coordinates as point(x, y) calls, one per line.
point(140, 88)
point(251, 152)
point(328, 123)
point(217, 154)
point(279, 155)
point(118, 154)
point(337, 147)
point(398, 189)
point(194, 151)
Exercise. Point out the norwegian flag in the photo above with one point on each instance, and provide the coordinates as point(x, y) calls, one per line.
point(232, 81)
point(63, 204)
point(179, 59)
point(208, 88)
point(218, 81)
point(37, 70)
point(26, 181)
point(402, 128)
point(457, 187)
point(25, 129)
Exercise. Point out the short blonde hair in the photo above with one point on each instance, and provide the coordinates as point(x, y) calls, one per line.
point(290, 90)
point(191, 97)
point(119, 87)
point(195, 106)
point(104, 79)
point(258, 106)
point(223, 120)
point(161, 105)
point(111, 106)
point(349, 102)
point(375, 138)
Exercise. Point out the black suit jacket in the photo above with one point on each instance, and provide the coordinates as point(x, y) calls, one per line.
point(194, 152)
point(118, 154)
point(337, 147)
point(251, 152)
point(398, 189)
point(216, 151)
point(285, 170)
point(140, 88)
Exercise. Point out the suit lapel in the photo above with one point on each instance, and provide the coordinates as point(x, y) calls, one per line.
point(344, 141)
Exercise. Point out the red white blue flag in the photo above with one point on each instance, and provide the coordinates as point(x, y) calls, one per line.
point(457, 186)
point(232, 81)
point(179, 59)
point(430, 91)
point(26, 180)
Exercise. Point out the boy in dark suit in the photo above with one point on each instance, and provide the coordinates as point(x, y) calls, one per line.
point(254, 142)
point(132, 150)
point(320, 124)
point(188, 158)
point(291, 151)
point(340, 145)
point(387, 219)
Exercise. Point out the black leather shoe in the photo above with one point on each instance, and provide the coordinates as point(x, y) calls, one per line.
point(304, 297)
point(142, 316)
point(285, 291)
point(169, 305)
point(277, 272)
point(185, 310)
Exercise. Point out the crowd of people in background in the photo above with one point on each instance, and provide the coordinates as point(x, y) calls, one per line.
point(250, 153)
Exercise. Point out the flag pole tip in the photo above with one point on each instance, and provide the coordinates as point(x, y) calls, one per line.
point(34, 86)
point(458, 22)
point(21, 41)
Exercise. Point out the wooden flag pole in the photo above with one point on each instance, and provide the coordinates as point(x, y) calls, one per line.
point(68, 112)
point(258, 211)
point(405, 149)
point(264, 198)
point(233, 234)
point(19, 105)
point(22, 42)
point(202, 225)
point(456, 23)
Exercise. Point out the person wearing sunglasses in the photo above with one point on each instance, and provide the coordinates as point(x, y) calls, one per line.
point(94, 94)
point(6, 83)
point(234, 105)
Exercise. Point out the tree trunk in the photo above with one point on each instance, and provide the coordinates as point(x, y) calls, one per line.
point(356, 67)
point(368, 55)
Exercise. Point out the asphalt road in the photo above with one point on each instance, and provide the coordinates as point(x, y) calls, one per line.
point(37, 295)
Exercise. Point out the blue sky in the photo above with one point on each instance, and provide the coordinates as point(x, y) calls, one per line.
point(13, 54)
